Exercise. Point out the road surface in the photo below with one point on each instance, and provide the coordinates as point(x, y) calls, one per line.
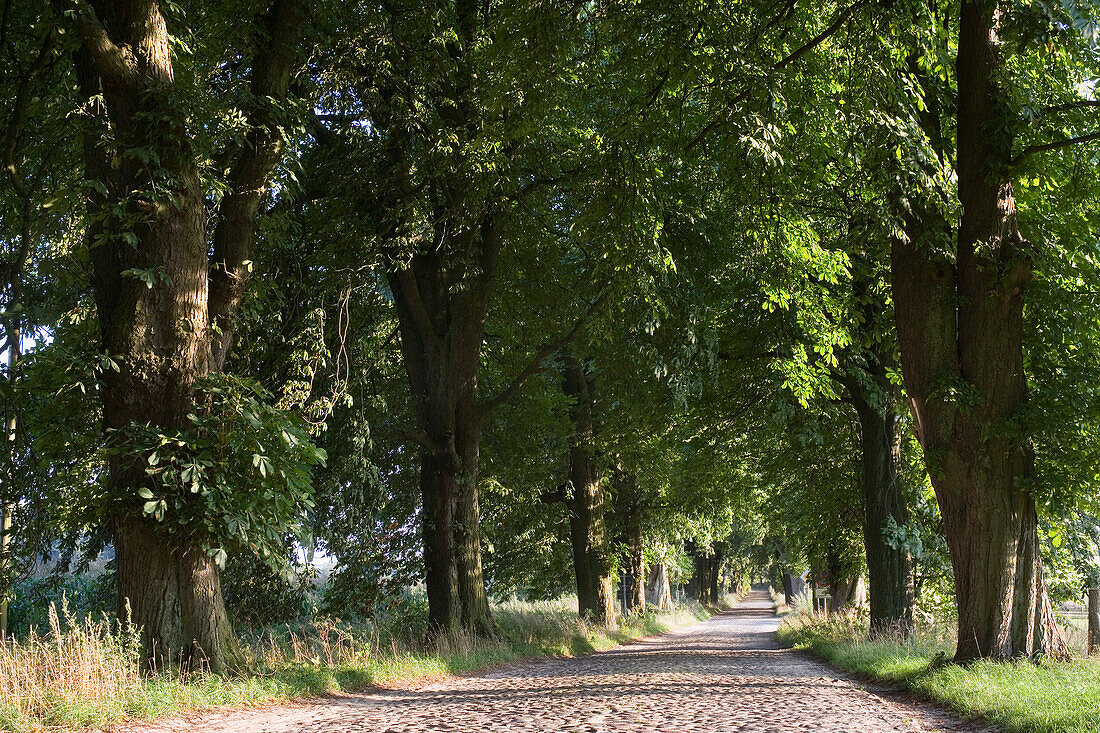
point(722, 675)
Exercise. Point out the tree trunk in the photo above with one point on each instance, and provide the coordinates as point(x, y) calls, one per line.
point(147, 573)
point(437, 493)
point(845, 592)
point(788, 588)
point(889, 569)
point(714, 569)
point(159, 359)
point(173, 594)
point(658, 590)
point(7, 508)
point(150, 276)
point(473, 599)
point(441, 343)
point(635, 569)
point(1094, 620)
point(628, 506)
point(585, 501)
point(698, 586)
point(703, 584)
point(960, 326)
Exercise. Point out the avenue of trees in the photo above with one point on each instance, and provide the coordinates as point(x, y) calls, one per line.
point(546, 297)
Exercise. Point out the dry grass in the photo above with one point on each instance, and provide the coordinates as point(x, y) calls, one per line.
point(65, 674)
point(80, 674)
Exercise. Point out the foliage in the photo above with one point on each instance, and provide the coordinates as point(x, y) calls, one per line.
point(238, 476)
point(699, 199)
point(256, 595)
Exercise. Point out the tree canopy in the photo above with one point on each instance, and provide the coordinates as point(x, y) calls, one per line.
point(516, 297)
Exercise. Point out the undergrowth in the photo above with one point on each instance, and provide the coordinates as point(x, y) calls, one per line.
point(1024, 696)
point(85, 674)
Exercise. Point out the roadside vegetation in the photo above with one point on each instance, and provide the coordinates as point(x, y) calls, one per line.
point(1025, 696)
point(84, 674)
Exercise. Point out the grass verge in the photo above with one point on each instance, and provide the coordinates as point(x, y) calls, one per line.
point(80, 675)
point(1025, 697)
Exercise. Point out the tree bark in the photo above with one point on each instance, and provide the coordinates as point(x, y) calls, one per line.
point(960, 333)
point(703, 585)
point(658, 589)
point(635, 569)
point(585, 500)
point(788, 588)
point(1094, 620)
point(628, 506)
point(278, 39)
point(441, 336)
point(714, 569)
point(691, 588)
point(889, 569)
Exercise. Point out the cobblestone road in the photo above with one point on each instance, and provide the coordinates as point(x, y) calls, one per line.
point(724, 674)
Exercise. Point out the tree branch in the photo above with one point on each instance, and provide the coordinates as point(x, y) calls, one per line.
point(277, 42)
point(1063, 143)
point(553, 497)
point(535, 366)
point(19, 111)
point(419, 437)
point(1068, 106)
point(114, 63)
point(784, 62)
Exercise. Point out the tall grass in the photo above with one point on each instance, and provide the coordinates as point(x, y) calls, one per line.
point(1023, 696)
point(65, 675)
point(80, 674)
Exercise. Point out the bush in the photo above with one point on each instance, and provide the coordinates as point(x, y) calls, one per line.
point(256, 596)
point(86, 595)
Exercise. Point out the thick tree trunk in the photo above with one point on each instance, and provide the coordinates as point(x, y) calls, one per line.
point(472, 596)
point(698, 586)
point(714, 569)
point(151, 221)
point(148, 591)
point(889, 569)
point(659, 594)
point(703, 585)
point(1094, 620)
point(960, 326)
point(788, 588)
point(635, 570)
point(845, 592)
point(585, 500)
point(173, 594)
point(437, 494)
point(690, 588)
point(442, 372)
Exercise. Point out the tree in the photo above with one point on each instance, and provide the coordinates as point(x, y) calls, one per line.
point(584, 498)
point(458, 196)
point(960, 324)
point(166, 288)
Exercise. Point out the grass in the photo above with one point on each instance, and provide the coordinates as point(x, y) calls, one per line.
point(1023, 696)
point(80, 675)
